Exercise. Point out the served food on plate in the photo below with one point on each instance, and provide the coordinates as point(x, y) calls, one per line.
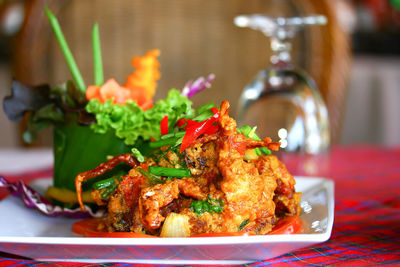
point(203, 175)
point(172, 171)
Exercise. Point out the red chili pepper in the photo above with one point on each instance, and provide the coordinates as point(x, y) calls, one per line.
point(212, 130)
point(191, 123)
point(152, 139)
point(215, 110)
point(181, 122)
point(196, 130)
point(164, 125)
point(187, 123)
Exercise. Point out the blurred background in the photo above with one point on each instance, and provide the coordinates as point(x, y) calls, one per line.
point(354, 59)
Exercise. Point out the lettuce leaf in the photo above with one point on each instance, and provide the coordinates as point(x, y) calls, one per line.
point(130, 122)
point(46, 106)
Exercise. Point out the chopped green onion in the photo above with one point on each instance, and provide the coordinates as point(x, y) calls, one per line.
point(172, 172)
point(97, 60)
point(171, 148)
point(152, 178)
point(251, 133)
point(104, 183)
point(209, 205)
point(243, 224)
point(167, 136)
point(137, 154)
point(109, 190)
point(66, 51)
point(204, 112)
point(265, 150)
point(204, 115)
point(205, 107)
point(245, 130)
point(165, 142)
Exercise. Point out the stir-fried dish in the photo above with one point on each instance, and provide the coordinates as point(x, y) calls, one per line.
point(202, 177)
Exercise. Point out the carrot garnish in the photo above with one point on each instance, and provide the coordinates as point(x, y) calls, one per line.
point(140, 86)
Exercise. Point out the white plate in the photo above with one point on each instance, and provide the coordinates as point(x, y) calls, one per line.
point(28, 233)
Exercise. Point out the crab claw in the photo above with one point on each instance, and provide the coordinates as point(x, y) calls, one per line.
point(99, 170)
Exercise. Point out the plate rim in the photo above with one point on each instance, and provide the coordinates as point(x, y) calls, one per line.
point(311, 238)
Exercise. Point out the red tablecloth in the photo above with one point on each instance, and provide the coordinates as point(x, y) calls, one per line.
point(366, 230)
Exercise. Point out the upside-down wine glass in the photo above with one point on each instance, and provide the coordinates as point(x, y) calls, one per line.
point(283, 100)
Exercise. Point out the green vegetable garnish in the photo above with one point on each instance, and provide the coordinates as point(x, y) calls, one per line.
point(172, 172)
point(243, 224)
point(104, 183)
point(178, 134)
point(205, 107)
point(204, 112)
point(166, 142)
point(152, 178)
point(209, 205)
point(73, 67)
point(251, 133)
point(108, 190)
point(97, 61)
point(137, 154)
point(131, 122)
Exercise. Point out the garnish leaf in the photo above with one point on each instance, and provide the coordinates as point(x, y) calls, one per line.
point(209, 205)
point(25, 98)
point(46, 105)
point(41, 119)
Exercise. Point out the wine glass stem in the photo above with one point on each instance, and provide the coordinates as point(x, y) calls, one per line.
point(281, 57)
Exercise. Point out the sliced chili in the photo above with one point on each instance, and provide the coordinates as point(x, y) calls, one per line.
point(195, 131)
point(164, 125)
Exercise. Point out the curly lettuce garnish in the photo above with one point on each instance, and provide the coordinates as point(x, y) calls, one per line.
point(131, 122)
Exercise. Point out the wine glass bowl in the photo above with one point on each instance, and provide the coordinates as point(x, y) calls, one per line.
point(283, 100)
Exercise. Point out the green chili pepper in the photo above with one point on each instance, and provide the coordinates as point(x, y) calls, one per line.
point(173, 172)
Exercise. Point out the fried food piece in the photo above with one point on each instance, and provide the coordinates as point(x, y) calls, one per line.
point(155, 197)
point(249, 193)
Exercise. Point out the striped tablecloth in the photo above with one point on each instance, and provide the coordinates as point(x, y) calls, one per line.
point(366, 230)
